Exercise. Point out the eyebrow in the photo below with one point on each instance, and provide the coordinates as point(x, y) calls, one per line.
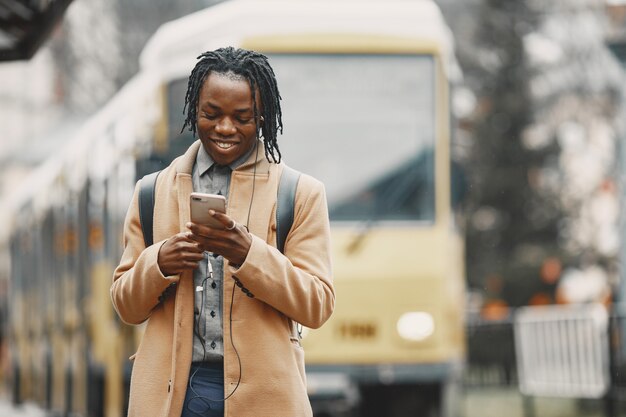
point(215, 107)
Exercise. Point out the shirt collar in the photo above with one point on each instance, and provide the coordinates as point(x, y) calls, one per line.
point(204, 161)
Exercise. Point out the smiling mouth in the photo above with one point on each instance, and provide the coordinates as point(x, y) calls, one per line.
point(223, 145)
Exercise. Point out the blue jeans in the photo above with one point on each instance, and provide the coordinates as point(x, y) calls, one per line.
point(205, 391)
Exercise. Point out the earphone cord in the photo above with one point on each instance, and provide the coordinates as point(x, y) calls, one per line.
point(256, 159)
point(230, 318)
point(232, 342)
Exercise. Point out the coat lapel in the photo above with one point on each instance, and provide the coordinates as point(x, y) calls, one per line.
point(252, 191)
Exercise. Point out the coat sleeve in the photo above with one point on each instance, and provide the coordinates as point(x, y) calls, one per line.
point(137, 281)
point(298, 283)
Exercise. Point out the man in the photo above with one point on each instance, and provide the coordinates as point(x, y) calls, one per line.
point(221, 305)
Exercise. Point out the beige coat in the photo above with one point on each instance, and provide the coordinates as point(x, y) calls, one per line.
point(295, 287)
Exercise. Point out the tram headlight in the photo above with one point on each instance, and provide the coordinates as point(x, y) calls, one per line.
point(416, 325)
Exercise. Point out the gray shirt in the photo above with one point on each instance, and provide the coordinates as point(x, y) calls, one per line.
point(208, 338)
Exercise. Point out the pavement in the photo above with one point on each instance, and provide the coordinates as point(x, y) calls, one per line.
point(476, 402)
point(507, 401)
point(24, 410)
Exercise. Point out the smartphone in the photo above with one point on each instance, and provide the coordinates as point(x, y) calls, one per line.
point(201, 204)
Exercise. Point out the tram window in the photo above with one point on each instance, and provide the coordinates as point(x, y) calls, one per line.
point(27, 256)
point(365, 126)
point(83, 242)
point(176, 91)
point(47, 260)
point(70, 244)
point(38, 292)
point(112, 218)
point(179, 141)
point(16, 301)
point(110, 243)
point(17, 264)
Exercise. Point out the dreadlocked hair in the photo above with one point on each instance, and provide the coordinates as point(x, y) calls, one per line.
point(255, 68)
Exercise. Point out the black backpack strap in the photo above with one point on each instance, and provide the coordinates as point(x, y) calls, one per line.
point(147, 189)
point(285, 202)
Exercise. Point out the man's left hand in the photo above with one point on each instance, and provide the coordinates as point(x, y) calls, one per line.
point(233, 242)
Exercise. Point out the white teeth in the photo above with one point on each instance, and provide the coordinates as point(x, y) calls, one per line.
point(224, 145)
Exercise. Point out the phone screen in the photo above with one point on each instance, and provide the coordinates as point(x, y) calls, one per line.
point(201, 203)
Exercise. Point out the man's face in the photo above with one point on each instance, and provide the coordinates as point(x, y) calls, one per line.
point(226, 124)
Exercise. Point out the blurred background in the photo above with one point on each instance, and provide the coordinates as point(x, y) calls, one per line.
point(473, 155)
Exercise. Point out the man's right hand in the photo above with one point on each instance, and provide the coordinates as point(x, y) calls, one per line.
point(179, 253)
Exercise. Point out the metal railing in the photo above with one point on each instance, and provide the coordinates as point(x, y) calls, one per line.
point(575, 352)
point(563, 350)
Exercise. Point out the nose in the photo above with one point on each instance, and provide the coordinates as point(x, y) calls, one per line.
point(225, 127)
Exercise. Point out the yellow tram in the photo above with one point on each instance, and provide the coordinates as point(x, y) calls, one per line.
point(365, 87)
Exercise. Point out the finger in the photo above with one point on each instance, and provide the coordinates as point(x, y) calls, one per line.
point(199, 230)
point(184, 237)
point(223, 218)
point(190, 244)
point(191, 264)
point(198, 240)
point(193, 256)
point(186, 265)
point(187, 245)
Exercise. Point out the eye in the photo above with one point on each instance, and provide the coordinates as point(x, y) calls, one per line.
point(209, 116)
point(244, 120)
